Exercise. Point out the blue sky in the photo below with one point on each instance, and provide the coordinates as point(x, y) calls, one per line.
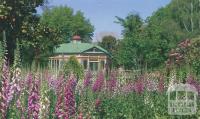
point(102, 12)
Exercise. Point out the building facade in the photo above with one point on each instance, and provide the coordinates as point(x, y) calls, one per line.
point(91, 56)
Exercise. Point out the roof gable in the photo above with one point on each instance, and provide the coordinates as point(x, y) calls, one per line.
point(95, 49)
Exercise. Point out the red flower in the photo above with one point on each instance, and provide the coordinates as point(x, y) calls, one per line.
point(97, 103)
point(161, 85)
point(80, 116)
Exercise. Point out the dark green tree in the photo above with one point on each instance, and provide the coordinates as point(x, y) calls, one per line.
point(148, 43)
point(72, 66)
point(129, 52)
point(132, 23)
point(68, 23)
point(108, 42)
point(12, 16)
point(39, 41)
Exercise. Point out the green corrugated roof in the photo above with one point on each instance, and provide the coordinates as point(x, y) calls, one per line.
point(78, 47)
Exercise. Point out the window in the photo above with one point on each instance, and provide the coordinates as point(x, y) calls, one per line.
point(94, 66)
point(102, 64)
point(85, 64)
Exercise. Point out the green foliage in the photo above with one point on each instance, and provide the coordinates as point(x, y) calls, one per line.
point(3, 50)
point(193, 55)
point(148, 43)
point(109, 43)
point(144, 43)
point(128, 109)
point(55, 26)
point(1, 54)
point(132, 23)
point(52, 99)
point(17, 58)
point(68, 23)
point(129, 51)
point(169, 25)
point(41, 41)
point(73, 66)
point(126, 54)
point(186, 13)
point(12, 16)
point(185, 57)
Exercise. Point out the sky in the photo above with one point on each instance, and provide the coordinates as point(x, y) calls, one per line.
point(101, 13)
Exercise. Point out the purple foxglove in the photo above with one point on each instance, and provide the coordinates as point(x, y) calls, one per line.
point(88, 79)
point(99, 83)
point(112, 82)
point(69, 98)
point(139, 85)
point(4, 94)
point(33, 100)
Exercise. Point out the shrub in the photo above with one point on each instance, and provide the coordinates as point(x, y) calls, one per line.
point(73, 66)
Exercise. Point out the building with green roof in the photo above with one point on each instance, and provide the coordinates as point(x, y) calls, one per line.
point(91, 56)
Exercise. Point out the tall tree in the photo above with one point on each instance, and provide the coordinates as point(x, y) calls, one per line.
point(108, 42)
point(39, 41)
point(170, 25)
point(187, 14)
point(128, 53)
point(149, 42)
point(12, 16)
point(131, 24)
point(68, 23)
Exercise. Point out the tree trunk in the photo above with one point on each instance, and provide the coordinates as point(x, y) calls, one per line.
point(199, 13)
point(37, 54)
point(4, 43)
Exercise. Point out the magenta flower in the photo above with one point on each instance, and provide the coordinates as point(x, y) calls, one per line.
point(161, 84)
point(55, 83)
point(128, 88)
point(33, 100)
point(14, 88)
point(73, 82)
point(195, 83)
point(99, 83)
point(97, 103)
point(139, 85)
point(59, 104)
point(88, 79)
point(58, 109)
point(29, 82)
point(20, 108)
point(65, 106)
point(69, 98)
point(112, 82)
point(4, 94)
point(80, 116)
point(10, 93)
